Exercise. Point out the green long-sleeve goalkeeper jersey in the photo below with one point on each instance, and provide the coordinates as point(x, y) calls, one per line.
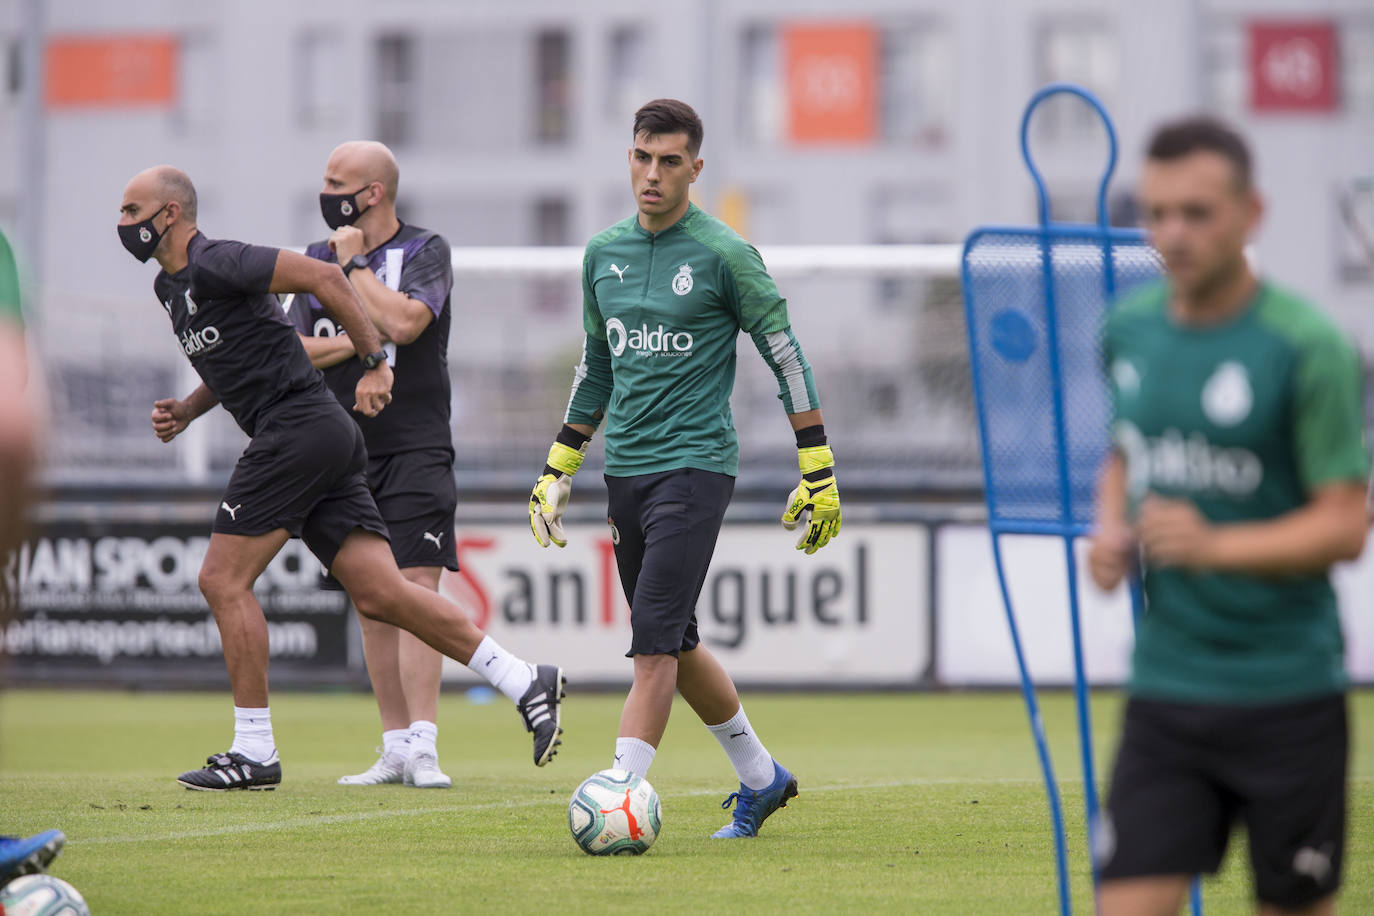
point(662, 312)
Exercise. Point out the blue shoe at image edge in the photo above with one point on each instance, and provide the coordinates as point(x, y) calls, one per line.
point(752, 806)
point(27, 856)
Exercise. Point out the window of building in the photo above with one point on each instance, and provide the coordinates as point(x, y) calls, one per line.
point(319, 92)
point(14, 66)
point(553, 87)
point(1075, 50)
point(1357, 65)
point(761, 103)
point(916, 78)
point(395, 82)
point(627, 74)
point(1226, 68)
point(200, 85)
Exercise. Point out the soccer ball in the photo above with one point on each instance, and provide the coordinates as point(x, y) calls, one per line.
point(614, 813)
point(41, 895)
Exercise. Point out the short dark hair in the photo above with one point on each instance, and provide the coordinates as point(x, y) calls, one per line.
point(669, 116)
point(1203, 133)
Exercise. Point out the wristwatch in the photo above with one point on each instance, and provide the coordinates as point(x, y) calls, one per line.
point(373, 360)
point(357, 260)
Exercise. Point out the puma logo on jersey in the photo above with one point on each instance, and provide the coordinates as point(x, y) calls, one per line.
point(232, 510)
point(436, 538)
point(190, 303)
point(620, 271)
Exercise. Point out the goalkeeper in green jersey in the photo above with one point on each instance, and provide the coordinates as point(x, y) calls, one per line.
point(1240, 472)
point(666, 293)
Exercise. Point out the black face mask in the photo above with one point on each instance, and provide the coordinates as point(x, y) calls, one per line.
point(341, 209)
point(140, 239)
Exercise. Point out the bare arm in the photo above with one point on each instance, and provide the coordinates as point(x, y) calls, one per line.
point(296, 273)
point(328, 351)
point(172, 416)
point(396, 316)
point(1330, 527)
point(1113, 542)
point(804, 419)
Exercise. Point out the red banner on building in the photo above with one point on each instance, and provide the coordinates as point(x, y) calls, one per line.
point(1293, 66)
point(832, 80)
point(111, 72)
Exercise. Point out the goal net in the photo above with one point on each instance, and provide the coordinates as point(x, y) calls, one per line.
point(881, 325)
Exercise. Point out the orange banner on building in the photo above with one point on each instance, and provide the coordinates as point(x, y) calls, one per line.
point(111, 72)
point(832, 82)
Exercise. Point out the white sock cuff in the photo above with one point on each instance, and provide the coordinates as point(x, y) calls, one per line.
point(734, 723)
point(635, 755)
point(396, 741)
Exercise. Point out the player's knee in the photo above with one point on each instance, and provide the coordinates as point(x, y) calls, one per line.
point(213, 584)
point(374, 603)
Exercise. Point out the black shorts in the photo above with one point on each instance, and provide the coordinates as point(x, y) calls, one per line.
point(417, 497)
point(303, 471)
point(1186, 773)
point(664, 528)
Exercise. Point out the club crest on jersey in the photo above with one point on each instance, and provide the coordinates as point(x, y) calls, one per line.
point(682, 280)
point(1227, 396)
point(1126, 377)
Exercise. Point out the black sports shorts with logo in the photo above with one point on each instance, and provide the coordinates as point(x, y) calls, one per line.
point(303, 471)
point(1186, 773)
point(417, 497)
point(664, 528)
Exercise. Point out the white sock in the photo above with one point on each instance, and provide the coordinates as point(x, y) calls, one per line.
point(423, 736)
point(253, 733)
point(747, 754)
point(508, 674)
point(634, 755)
point(396, 741)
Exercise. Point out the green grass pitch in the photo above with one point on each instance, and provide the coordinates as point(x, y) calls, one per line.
point(910, 803)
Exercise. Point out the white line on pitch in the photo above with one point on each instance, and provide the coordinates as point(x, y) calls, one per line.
point(353, 817)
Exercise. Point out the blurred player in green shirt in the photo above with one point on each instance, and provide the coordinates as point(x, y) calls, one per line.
point(18, 855)
point(666, 294)
point(1239, 472)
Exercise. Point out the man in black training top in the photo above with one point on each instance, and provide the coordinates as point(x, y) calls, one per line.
point(302, 473)
point(403, 276)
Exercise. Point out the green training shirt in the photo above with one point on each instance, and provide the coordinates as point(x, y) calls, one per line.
point(9, 285)
point(1246, 419)
point(662, 312)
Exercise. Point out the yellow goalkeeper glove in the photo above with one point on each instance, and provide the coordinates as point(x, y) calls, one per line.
point(551, 491)
point(815, 503)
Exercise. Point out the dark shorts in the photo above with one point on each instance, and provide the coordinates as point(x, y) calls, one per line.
point(664, 528)
point(303, 471)
point(417, 497)
point(1186, 773)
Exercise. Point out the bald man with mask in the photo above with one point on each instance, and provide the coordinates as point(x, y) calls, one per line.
point(302, 473)
point(403, 275)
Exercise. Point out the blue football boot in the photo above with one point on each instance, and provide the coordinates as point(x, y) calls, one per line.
point(752, 806)
point(27, 856)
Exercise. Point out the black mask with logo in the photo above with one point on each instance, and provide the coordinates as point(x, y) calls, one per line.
point(140, 239)
point(341, 209)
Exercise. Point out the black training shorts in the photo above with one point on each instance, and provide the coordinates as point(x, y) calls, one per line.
point(303, 471)
point(417, 497)
point(664, 528)
point(1187, 772)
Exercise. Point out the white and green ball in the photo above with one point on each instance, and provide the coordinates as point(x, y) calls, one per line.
point(614, 813)
point(41, 895)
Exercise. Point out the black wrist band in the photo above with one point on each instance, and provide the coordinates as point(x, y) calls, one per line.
point(572, 438)
point(811, 436)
